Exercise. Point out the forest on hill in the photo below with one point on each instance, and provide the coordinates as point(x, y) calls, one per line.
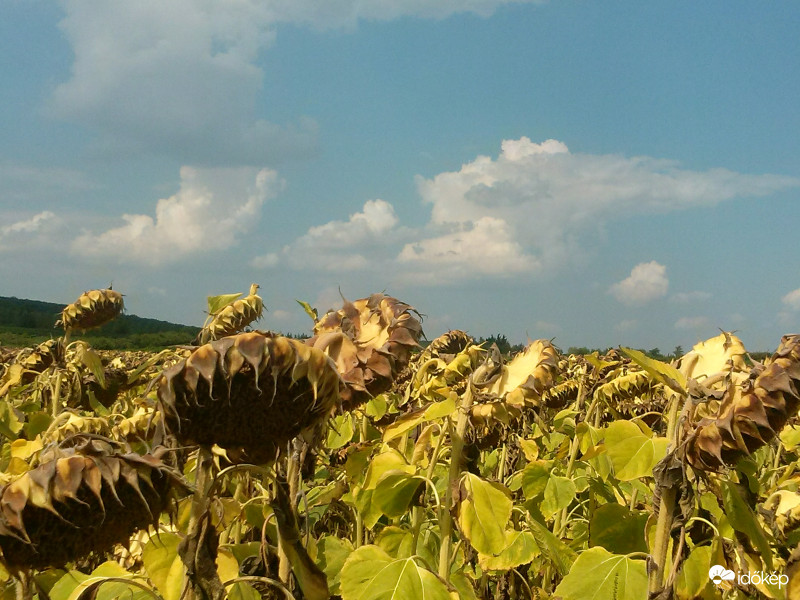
point(28, 322)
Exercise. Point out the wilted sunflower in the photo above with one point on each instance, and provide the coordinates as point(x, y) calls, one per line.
point(81, 500)
point(248, 393)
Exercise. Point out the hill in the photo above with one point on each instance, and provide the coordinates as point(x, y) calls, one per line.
point(26, 322)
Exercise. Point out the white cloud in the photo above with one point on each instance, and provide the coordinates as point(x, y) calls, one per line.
point(34, 232)
point(550, 199)
point(792, 300)
point(265, 261)
point(212, 208)
point(691, 323)
point(485, 248)
point(647, 282)
point(361, 242)
point(626, 325)
point(28, 226)
point(183, 77)
point(690, 297)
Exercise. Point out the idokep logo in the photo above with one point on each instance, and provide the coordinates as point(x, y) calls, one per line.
point(718, 574)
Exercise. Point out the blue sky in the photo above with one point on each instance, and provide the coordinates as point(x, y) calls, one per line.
point(598, 173)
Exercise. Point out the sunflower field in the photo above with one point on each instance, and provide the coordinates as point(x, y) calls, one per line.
point(365, 462)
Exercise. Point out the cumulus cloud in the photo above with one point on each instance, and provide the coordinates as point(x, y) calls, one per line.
point(212, 208)
point(183, 77)
point(792, 300)
point(691, 323)
point(550, 198)
point(359, 243)
point(23, 231)
point(485, 248)
point(29, 225)
point(647, 282)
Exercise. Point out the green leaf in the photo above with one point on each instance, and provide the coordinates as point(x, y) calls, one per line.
point(10, 424)
point(396, 541)
point(395, 491)
point(464, 586)
point(371, 574)
point(535, 476)
point(561, 555)
point(743, 520)
point(388, 459)
point(310, 311)
point(376, 407)
point(632, 453)
point(217, 303)
point(661, 372)
point(92, 361)
point(521, 550)
point(618, 529)
point(693, 577)
point(332, 552)
point(600, 575)
point(558, 494)
point(340, 431)
point(483, 514)
point(75, 583)
point(163, 565)
point(408, 421)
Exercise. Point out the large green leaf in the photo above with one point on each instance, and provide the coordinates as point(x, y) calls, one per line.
point(618, 529)
point(163, 565)
point(408, 421)
point(534, 479)
point(389, 459)
point(395, 491)
point(484, 512)
point(75, 583)
point(633, 453)
point(522, 549)
point(396, 541)
point(600, 575)
point(332, 552)
point(558, 494)
point(693, 577)
point(340, 431)
point(661, 372)
point(743, 520)
point(217, 303)
point(561, 555)
point(371, 574)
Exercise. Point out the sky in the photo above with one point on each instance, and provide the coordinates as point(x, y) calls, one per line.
point(599, 174)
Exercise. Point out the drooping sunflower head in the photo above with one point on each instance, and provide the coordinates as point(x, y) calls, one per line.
point(249, 393)
point(92, 309)
point(81, 500)
point(371, 341)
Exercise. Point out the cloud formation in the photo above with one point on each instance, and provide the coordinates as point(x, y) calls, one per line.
point(12, 235)
point(483, 248)
point(543, 200)
point(183, 77)
point(691, 323)
point(792, 300)
point(647, 282)
point(212, 207)
point(359, 243)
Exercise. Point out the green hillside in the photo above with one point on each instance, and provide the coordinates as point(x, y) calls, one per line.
point(26, 322)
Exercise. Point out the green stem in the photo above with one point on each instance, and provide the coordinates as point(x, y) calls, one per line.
point(456, 459)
